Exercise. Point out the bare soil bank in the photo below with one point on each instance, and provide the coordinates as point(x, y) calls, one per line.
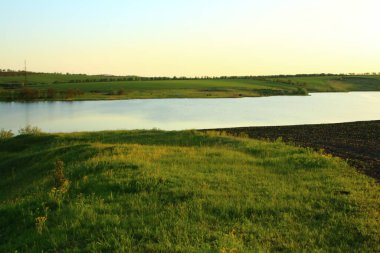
point(357, 142)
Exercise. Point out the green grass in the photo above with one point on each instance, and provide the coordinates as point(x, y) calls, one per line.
point(336, 83)
point(91, 88)
point(47, 78)
point(155, 191)
point(168, 89)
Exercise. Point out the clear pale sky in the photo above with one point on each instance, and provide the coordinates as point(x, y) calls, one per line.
point(191, 37)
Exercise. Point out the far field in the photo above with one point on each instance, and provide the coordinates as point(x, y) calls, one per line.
point(155, 191)
point(84, 87)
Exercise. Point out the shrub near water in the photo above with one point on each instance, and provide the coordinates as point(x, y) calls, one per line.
point(5, 134)
point(61, 187)
point(30, 130)
point(154, 191)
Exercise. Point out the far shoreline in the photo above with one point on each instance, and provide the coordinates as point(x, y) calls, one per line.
point(161, 98)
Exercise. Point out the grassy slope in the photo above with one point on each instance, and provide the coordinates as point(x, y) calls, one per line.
point(334, 83)
point(153, 191)
point(171, 88)
point(194, 88)
point(45, 78)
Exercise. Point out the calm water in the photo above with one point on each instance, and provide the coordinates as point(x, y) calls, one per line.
point(178, 114)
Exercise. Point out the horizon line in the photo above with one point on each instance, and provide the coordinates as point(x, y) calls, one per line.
point(3, 70)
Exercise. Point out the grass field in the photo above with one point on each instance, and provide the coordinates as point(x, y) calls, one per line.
point(83, 87)
point(154, 191)
point(336, 83)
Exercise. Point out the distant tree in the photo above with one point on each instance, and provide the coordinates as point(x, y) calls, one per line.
point(120, 92)
point(51, 93)
point(302, 91)
point(70, 93)
point(28, 94)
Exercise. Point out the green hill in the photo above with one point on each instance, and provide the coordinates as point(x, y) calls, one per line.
point(41, 86)
point(155, 191)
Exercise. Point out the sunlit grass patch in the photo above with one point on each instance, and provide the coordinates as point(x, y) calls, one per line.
point(156, 191)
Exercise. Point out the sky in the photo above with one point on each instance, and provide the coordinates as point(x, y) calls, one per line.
point(191, 37)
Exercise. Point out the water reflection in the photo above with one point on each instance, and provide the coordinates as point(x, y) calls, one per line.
point(178, 114)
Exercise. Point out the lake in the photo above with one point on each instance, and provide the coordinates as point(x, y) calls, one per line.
point(179, 114)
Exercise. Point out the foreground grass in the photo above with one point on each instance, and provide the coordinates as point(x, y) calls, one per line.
point(83, 87)
point(153, 191)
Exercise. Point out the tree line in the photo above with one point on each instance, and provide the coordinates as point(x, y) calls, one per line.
point(111, 78)
point(27, 94)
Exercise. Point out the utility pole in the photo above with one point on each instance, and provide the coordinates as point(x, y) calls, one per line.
point(25, 78)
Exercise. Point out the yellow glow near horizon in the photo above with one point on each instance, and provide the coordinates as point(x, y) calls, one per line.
point(166, 38)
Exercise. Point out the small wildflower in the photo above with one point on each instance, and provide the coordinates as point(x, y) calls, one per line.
point(59, 176)
point(40, 223)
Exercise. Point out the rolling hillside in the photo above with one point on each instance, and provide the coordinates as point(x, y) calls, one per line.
point(154, 191)
point(83, 87)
